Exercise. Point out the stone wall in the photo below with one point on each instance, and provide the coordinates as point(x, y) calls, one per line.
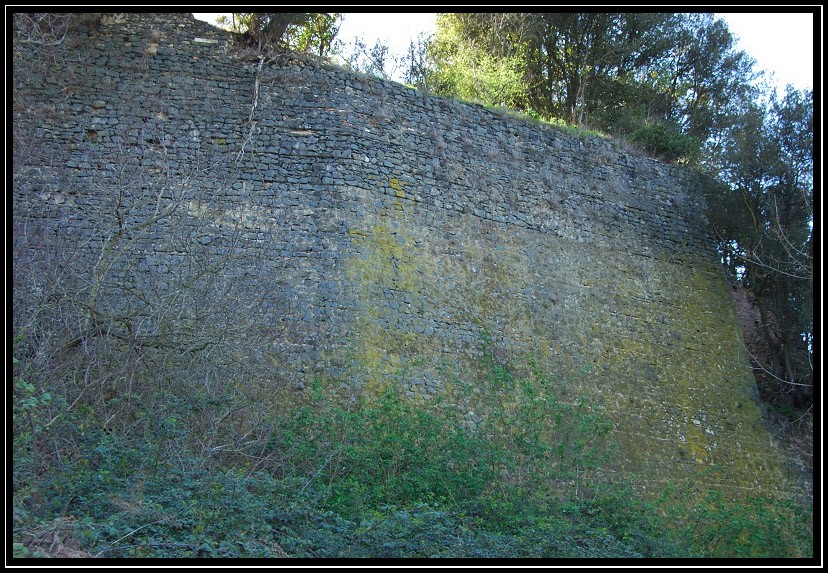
point(383, 233)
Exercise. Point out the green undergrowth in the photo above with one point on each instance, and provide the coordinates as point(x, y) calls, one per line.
point(536, 118)
point(376, 476)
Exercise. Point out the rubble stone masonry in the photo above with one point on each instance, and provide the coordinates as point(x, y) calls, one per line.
point(387, 232)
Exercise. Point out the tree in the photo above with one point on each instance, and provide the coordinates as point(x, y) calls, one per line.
point(376, 61)
point(482, 57)
point(476, 57)
point(302, 31)
point(317, 35)
point(667, 78)
point(566, 61)
point(764, 218)
point(417, 70)
point(706, 75)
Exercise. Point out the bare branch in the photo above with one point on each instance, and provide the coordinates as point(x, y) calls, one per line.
point(771, 374)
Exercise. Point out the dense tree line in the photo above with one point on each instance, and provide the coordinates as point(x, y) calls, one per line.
point(762, 208)
point(666, 80)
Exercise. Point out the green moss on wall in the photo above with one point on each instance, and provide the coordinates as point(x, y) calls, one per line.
point(652, 340)
point(687, 412)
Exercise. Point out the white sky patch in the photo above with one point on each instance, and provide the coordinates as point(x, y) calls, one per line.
point(396, 30)
point(781, 44)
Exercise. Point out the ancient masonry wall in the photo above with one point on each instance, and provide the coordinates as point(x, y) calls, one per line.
point(385, 232)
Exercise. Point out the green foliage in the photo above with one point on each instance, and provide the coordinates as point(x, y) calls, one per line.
point(537, 118)
point(712, 524)
point(666, 142)
point(388, 451)
point(621, 73)
point(376, 477)
point(467, 70)
point(317, 35)
point(762, 211)
point(27, 398)
point(543, 440)
point(30, 414)
point(307, 32)
point(560, 124)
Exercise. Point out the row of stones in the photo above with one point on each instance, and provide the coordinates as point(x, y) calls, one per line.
point(345, 155)
point(328, 79)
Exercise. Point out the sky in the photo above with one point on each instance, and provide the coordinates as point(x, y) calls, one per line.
point(782, 43)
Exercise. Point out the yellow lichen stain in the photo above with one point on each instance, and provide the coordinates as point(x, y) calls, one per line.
point(385, 267)
point(384, 259)
point(678, 354)
point(375, 361)
point(696, 444)
point(667, 341)
point(397, 186)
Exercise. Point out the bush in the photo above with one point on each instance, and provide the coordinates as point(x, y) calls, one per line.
point(713, 524)
point(387, 452)
point(666, 142)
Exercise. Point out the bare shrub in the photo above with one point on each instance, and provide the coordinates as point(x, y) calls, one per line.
point(128, 293)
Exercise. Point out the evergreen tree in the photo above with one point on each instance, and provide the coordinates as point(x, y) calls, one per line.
point(764, 218)
point(666, 80)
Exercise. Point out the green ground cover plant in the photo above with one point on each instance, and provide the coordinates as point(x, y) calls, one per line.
point(377, 477)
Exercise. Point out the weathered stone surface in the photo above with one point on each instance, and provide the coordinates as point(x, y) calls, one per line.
point(393, 229)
